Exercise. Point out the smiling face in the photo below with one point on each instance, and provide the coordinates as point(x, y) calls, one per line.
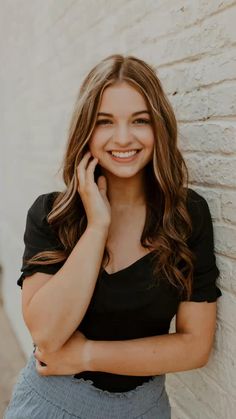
point(124, 126)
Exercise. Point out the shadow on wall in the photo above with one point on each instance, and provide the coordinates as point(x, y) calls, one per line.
point(12, 358)
point(1, 299)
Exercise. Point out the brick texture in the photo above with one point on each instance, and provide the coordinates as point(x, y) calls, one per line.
point(47, 47)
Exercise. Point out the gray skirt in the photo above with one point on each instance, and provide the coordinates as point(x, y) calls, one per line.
point(66, 397)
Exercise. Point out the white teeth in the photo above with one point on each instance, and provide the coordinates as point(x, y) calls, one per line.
point(126, 154)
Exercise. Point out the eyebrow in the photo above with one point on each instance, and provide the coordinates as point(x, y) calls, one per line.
point(133, 114)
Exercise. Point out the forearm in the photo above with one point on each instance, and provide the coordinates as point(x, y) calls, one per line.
point(57, 308)
point(145, 356)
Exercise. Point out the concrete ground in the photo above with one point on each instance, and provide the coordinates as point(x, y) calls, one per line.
point(12, 359)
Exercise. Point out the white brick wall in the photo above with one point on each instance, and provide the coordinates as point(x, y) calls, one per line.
point(46, 49)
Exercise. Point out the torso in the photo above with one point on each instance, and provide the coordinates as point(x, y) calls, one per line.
point(123, 242)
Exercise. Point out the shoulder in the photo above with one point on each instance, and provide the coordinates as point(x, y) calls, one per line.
point(196, 204)
point(195, 201)
point(42, 205)
point(36, 220)
point(199, 213)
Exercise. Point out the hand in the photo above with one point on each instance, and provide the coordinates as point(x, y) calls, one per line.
point(93, 196)
point(70, 359)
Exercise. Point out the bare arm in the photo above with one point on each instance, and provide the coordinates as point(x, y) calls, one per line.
point(57, 308)
point(187, 349)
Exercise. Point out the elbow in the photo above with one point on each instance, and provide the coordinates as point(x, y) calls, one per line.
point(47, 345)
point(44, 342)
point(197, 361)
point(202, 360)
point(200, 353)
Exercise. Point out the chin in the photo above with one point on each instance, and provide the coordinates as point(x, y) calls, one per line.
point(124, 172)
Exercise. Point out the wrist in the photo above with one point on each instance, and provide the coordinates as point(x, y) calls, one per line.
point(102, 230)
point(102, 226)
point(88, 357)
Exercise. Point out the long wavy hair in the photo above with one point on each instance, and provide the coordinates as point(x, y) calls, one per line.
point(168, 224)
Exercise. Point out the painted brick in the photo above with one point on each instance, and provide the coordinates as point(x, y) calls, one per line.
point(46, 50)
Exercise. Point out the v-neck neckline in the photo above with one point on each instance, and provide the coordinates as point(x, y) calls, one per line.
point(127, 267)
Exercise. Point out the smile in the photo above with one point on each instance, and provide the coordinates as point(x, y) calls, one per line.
point(124, 156)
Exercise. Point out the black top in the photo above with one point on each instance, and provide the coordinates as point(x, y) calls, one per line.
point(121, 306)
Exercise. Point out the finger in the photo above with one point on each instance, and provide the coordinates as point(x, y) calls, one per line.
point(41, 363)
point(82, 167)
point(38, 356)
point(84, 161)
point(40, 369)
point(102, 184)
point(36, 353)
point(90, 169)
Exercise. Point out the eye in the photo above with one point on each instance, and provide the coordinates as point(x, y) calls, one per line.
point(139, 120)
point(145, 121)
point(102, 121)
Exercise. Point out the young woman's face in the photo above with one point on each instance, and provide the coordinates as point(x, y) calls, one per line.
point(127, 131)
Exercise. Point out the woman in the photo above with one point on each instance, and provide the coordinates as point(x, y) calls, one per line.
point(113, 258)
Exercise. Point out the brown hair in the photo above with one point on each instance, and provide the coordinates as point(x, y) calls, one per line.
point(168, 224)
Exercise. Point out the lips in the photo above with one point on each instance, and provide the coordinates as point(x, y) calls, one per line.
point(125, 151)
point(124, 159)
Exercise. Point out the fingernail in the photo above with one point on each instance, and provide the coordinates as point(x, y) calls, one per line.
point(42, 364)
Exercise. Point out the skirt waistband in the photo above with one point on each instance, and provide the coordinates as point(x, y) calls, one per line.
point(80, 397)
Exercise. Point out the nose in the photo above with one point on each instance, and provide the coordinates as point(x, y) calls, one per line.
point(123, 136)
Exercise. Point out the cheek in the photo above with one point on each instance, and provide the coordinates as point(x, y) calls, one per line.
point(150, 151)
point(92, 146)
point(96, 143)
point(94, 149)
point(150, 145)
point(147, 138)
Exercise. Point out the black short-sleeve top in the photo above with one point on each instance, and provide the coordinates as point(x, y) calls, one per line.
point(123, 306)
point(39, 236)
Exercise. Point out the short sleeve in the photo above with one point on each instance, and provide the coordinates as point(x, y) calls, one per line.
point(39, 236)
point(201, 243)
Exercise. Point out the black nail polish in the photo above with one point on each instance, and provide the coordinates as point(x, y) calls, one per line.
point(42, 364)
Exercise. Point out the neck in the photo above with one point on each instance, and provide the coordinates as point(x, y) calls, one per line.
point(125, 192)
